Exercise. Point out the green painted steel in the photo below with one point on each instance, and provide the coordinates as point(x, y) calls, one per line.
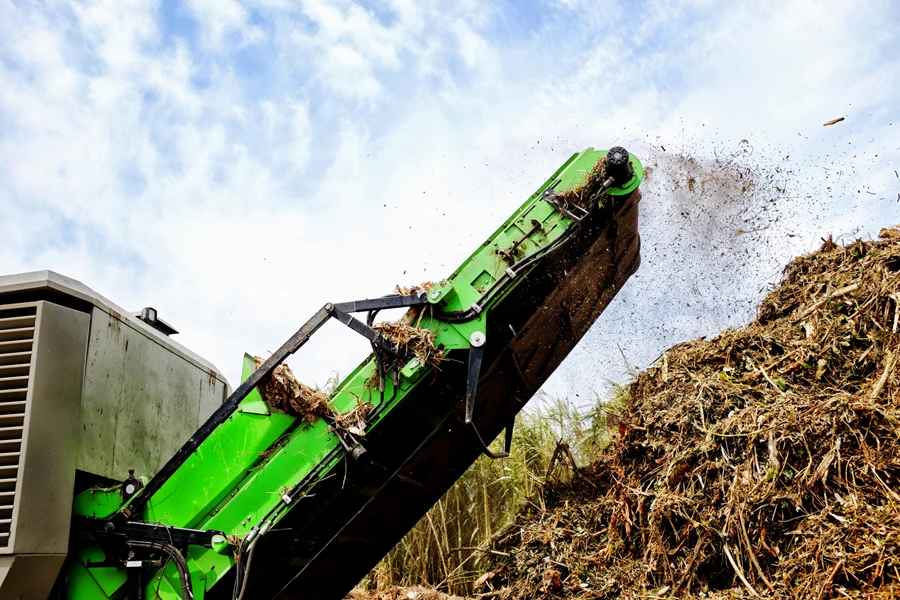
point(237, 477)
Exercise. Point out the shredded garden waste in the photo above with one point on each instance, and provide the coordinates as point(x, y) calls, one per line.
point(406, 333)
point(414, 290)
point(401, 593)
point(283, 392)
point(583, 194)
point(764, 462)
point(418, 341)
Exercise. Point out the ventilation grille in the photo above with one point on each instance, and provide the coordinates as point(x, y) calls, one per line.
point(16, 341)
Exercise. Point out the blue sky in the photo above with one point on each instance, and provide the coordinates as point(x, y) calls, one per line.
point(238, 164)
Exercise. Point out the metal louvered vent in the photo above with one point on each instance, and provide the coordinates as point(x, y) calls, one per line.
point(16, 341)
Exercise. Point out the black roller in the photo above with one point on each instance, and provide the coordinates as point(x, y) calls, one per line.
point(618, 165)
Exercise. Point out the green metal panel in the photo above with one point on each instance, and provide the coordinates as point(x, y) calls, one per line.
point(237, 476)
point(82, 584)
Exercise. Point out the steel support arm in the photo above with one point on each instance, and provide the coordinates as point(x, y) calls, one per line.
point(296, 341)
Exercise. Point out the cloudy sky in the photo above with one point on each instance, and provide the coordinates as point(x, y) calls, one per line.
point(236, 165)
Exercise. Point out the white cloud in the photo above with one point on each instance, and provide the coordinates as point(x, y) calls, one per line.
point(221, 20)
point(369, 146)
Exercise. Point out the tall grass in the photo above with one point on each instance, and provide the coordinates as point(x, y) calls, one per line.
point(446, 549)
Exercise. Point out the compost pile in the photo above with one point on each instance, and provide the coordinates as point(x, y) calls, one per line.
point(401, 593)
point(283, 392)
point(762, 462)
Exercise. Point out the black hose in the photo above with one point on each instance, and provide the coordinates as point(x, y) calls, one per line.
point(460, 316)
point(177, 558)
point(238, 571)
point(247, 570)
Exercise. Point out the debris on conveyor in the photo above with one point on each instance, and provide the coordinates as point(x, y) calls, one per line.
point(403, 290)
point(583, 194)
point(418, 341)
point(283, 392)
point(355, 420)
point(762, 462)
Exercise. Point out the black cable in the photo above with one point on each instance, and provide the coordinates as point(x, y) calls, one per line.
point(247, 569)
point(459, 316)
point(238, 572)
point(177, 559)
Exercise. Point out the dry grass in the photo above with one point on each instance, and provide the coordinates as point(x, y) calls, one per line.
point(283, 392)
point(414, 340)
point(583, 194)
point(401, 593)
point(763, 462)
point(449, 549)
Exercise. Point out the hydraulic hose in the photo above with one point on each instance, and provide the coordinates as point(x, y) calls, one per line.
point(177, 559)
point(460, 316)
point(247, 571)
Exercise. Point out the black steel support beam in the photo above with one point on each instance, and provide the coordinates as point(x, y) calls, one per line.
point(341, 312)
point(370, 334)
point(103, 529)
point(384, 303)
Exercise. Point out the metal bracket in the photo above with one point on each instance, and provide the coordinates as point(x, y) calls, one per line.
point(351, 445)
point(385, 303)
point(150, 532)
point(554, 200)
point(369, 333)
point(289, 347)
point(476, 354)
point(507, 441)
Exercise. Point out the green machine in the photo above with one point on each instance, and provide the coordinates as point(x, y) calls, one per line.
point(257, 503)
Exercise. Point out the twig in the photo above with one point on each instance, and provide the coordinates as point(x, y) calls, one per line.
point(896, 312)
point(822, 469)
point(827, 583)
point(892, 493)
point(734, 435)
point(837, 294)
point(478, 549)
point(740, 573)
point(750, 552)
point(820, 406)
point(766, 375)
point(888, 367)
point(689, 570)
